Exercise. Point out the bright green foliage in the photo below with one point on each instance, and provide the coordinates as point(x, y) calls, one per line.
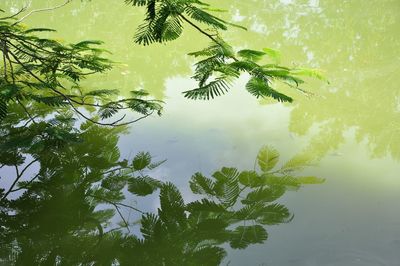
point(35, 69)
point(267, 158)
point(219, 64)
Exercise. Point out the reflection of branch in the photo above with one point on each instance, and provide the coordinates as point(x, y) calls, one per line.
point(115, 203)
point(122, 217)
point(16, 14)
point(28, 183)
point(41, 10)
point(31, 118)
point(71, 101)
point(19, 175)
point(205, 33)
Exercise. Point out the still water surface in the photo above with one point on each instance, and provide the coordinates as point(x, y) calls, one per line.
point(351, 127)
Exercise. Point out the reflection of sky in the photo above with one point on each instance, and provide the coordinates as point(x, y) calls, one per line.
point(352, 125)
point(338, 222)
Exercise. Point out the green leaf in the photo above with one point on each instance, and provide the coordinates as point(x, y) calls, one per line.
point(250, 179)
point(310, 180)
point(274, 214)
point(274, 54)
point(260, 88)
point(156, 164)
point(251, 55)
point(286, 181)
point(204, 17)
point(172, 204)
point(314, 73)
point(297, 163)
point(243, 236)
point(267, 158)
point(143, 186)
point(264, 194)
point(151, 226)
point(139, 93)
point(101, 93)
point(208, 91)
point(141, 160)
point(226, 186)
point(171, 29)
point(205, 205)
point(39, 30)
point(200, 184)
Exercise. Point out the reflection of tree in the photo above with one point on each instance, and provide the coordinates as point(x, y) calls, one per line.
point(60, 210)
point(356, 46)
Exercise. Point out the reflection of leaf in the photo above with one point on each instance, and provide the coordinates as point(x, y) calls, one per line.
point(274, 214)
point(243, 236)
point(226, 187)
point(250, 179)
point(286, 181)
point(208, 255)
point(143, 186)
point(265, 194)
point(172, 204)
point(274, 54)
point(205, 205)
point(200, 184)
point(267, 158)
point(251, 55)
point(151, 225)
point(296, 163)
point(310, 180)
point(250, 212)
point(314, 73)
point(156, 164)
point(260, 88)
point(141, 160)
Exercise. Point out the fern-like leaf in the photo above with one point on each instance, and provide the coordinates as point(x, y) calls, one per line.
point(143, 186)
point(267, 158)
point(260, 88)
point(243, 236)
point(264, 194)
point(251, 55)
point(209, 91)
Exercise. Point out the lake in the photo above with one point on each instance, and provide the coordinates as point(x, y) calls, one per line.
point(348, 128)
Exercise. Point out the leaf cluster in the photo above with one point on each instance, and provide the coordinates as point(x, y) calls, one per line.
point(46, 71)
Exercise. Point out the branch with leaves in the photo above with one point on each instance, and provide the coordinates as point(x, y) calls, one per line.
point(48, 72)
point(220, 64)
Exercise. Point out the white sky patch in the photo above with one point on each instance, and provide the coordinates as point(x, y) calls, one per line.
point(259, 28)
point(313, 3)
point(287, 2)
point(237, 17)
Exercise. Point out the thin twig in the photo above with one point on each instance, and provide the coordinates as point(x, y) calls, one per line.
point(28, 183)
point(16, 14)
point(122, 217)
point(41, 10)
point(115, 203)
point(19, 175)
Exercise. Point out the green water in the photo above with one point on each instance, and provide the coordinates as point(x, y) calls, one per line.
point(350, 127)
